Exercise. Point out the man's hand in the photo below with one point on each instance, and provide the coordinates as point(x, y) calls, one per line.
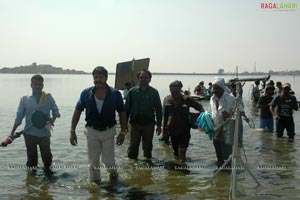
point(73, 138)
point(120, 138)
point(158, 130)
point(52, 120)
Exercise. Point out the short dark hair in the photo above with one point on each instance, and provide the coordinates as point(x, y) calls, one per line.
point(270, 87)
point(100, 70)
point(176, 84)
point(146, 71)
point(278, 83)
point(37, 77)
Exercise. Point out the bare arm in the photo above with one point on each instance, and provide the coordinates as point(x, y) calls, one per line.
point(122, 116)
point(74, 122)
point(14, 129)
point(123, 124)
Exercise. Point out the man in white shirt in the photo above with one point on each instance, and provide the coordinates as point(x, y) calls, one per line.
point(222, 106)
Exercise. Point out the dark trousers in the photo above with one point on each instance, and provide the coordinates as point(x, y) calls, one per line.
point(32, 154)
point(223, 150)
point(180, 141)
point(286, 123)
point(138, 133)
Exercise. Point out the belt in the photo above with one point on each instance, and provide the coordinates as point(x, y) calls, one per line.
point(100, 128)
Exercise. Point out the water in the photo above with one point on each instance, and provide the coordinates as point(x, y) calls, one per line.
point(274, 162)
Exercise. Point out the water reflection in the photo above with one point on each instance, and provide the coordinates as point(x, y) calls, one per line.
point(137, 178)
point(37, 186)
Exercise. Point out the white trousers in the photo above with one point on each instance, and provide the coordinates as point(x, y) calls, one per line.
point(100, 144)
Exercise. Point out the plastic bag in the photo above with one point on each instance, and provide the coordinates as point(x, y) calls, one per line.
point(204, 123)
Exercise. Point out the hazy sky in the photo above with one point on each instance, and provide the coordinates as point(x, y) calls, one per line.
point(177, 35)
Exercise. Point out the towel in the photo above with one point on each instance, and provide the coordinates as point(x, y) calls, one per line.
point(43, 98)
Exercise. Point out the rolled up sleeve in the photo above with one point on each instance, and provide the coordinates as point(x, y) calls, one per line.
point(54, 108)
point(20, 112)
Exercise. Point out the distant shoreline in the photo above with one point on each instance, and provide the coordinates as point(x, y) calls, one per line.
point(167, 73)
point(49, 69)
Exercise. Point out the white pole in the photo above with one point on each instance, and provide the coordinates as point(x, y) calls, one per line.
point(235, 143)
point(132, 71)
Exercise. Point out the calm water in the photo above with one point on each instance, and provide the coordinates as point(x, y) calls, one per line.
point(279, 178)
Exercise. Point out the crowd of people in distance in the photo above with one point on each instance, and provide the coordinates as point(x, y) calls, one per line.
point(201, 90)
point(277, 103)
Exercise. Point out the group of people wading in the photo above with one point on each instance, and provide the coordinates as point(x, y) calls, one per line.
point(277, 103)
point(144, 112)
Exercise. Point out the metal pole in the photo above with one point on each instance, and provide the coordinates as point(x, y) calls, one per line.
point(132, 72)
point(235, 143)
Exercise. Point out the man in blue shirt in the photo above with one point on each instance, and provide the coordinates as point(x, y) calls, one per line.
point(41, 103)
point(100, 103)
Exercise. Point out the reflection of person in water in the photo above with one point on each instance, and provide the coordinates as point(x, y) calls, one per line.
point(36, 188)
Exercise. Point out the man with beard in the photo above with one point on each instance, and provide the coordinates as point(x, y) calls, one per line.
point(222, 106)
point(176, 108)
point(143, 105)
point(100, 103)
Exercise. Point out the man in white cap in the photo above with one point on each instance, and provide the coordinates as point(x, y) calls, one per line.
point(222, 106)
point(285, 104)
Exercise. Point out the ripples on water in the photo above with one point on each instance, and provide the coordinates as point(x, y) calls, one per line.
point(274, 162)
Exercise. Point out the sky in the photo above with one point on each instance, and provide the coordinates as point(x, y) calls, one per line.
point(200, 36)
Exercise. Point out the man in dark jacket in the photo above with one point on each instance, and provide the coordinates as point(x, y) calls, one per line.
point(285, 104)
point(176, 118)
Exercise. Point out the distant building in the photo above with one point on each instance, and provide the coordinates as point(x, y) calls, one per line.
point(221, 71)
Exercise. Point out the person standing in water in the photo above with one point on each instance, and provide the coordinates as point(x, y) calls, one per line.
point(100, 103)
point(37, 109)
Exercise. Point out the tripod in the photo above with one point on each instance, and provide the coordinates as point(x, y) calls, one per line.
point(234, 156)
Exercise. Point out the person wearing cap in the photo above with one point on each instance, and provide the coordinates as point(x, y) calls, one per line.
point(222, 106)
point(176, 108)
point(37, 132)
point(266, 121)
point(144, 111)
point(100, 103)
point(284, 103)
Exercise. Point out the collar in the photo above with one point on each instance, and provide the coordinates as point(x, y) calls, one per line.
point(108, 91)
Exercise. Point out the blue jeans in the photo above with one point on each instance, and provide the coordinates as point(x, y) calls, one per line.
point(267, 123)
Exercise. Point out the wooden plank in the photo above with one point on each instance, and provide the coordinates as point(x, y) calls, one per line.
point(127, 72)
